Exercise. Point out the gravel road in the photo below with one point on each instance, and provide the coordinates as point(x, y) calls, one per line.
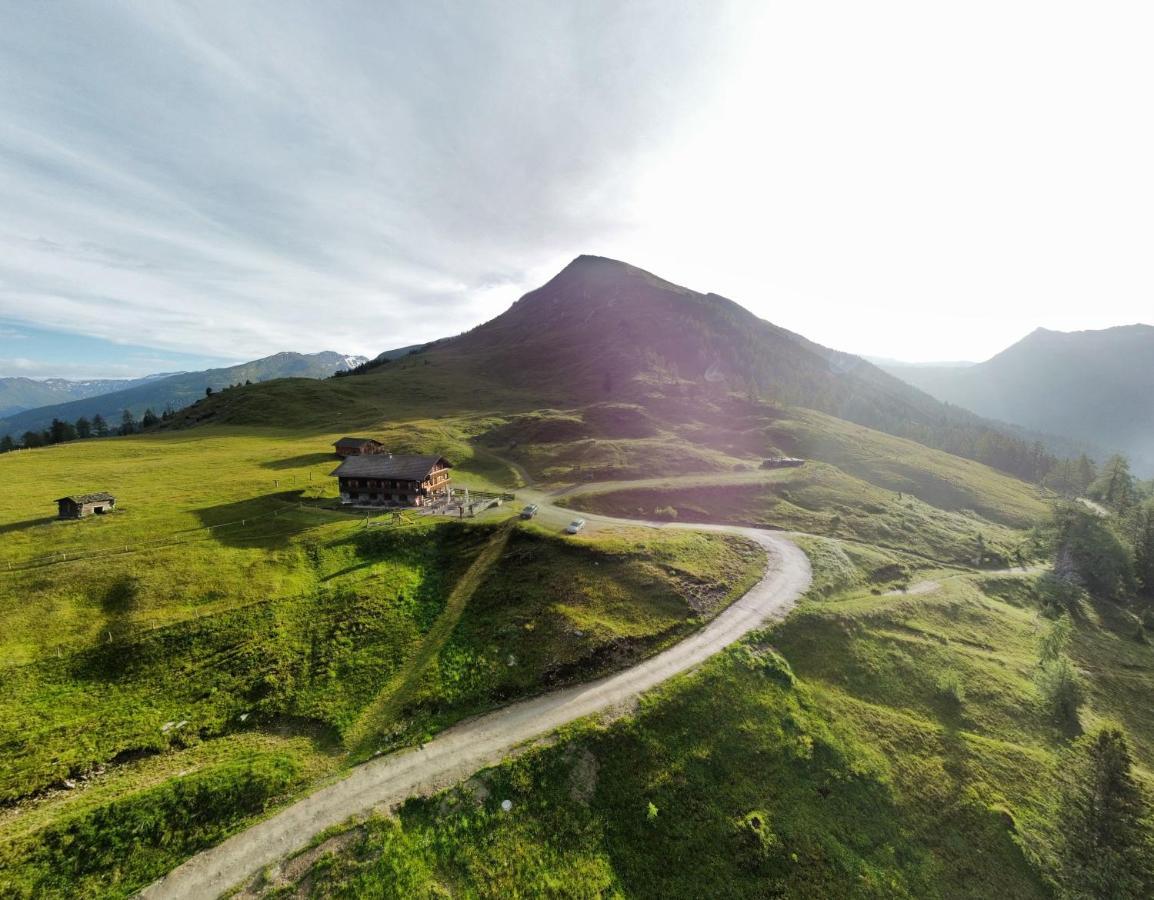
point(483, 741)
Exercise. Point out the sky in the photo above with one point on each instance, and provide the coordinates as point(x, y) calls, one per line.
point(187, 184)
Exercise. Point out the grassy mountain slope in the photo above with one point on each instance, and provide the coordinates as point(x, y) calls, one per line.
point(177, 390)
point(872, 745)
point(212, 648)
point(229, 624)
point(1055, 382)
point(604, 331)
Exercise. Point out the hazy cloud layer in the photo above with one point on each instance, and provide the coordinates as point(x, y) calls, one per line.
point(898, 178)
point(244, 178)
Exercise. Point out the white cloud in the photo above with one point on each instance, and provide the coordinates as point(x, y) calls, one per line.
point(904, 179)
point(16, 366)
point(270, 176)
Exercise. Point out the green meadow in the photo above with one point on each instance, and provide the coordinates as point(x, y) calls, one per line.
point(877, 743)
point(228, 636)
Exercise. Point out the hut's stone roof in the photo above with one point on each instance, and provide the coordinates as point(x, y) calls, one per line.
point(81, 499)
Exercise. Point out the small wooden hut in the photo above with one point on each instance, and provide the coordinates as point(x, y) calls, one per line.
point(80, 505)
point(357, 446)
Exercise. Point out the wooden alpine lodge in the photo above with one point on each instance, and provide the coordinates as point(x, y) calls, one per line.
point(384, 479)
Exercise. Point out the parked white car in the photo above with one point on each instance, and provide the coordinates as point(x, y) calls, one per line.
point(575, 526)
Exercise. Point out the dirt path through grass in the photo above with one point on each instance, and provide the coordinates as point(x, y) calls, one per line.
point(397, 691)
point(460, 751)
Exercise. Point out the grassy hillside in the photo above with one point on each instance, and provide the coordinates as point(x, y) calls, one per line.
point(818, 499)
point(722, 439)
point(875, 744)
point(222, 641)
point(230, 636)
point(602, 331)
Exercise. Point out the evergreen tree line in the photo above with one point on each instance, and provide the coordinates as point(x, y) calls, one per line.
point(61, 431)
point(1099, 840)
point(1107, 547)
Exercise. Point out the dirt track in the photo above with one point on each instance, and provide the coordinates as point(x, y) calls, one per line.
point(460, 751)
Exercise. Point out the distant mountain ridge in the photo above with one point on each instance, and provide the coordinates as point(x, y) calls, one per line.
point(602, 326)
point(602, 331)
point(18, 393)
point(1092, 386)
point(181, 389)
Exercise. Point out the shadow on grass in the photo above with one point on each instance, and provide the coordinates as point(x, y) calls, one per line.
point(302, 461)
point(267, 521)
point(27, 523)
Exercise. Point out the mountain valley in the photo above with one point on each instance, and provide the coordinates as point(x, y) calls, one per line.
point(233, 638)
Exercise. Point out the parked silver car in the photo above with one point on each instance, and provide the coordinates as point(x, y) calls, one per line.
point(575, 526)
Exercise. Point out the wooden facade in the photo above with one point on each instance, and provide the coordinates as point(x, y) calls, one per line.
point(81, 505)
point(388, 480)
point(357, 446)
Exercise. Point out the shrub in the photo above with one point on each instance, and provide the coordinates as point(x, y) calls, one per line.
point(1055, 640)
point(757, 841)
point(951, 689)
point(1060, 595)
point(769, 663)
point(1062, 690)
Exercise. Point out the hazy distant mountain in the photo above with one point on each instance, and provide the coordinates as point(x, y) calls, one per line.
point(18, 394)
point(179, 390)
point(1093, 386)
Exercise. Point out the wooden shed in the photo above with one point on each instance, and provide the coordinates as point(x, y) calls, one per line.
point(357, 446)
point(80, 505)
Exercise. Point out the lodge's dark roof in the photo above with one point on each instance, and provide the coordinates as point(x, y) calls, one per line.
point(385, 465)
point(355, 442)
point(80, 499)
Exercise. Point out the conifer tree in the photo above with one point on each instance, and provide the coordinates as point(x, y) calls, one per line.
point(83, 428)
point(61, 431)
point(1104, 848)
point(99, 426)
point(1085, 473)
point(1144, 548)
point(1114, 486)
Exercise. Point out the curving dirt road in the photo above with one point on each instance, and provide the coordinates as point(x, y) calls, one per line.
point(460, 751)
